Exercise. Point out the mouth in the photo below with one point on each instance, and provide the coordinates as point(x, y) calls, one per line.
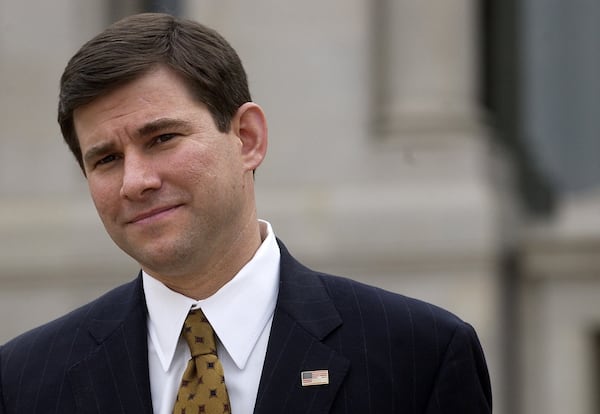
point(154, 214)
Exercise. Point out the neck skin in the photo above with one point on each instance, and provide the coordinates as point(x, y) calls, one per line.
point(226, 264)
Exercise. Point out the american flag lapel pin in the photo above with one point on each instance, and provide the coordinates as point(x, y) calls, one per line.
point(319, 377)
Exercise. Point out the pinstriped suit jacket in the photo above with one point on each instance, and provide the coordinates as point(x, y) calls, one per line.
point(385, 353)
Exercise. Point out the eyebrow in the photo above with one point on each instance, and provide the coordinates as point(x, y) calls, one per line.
point(160, 125)
point(97, 150)
point(150, 128)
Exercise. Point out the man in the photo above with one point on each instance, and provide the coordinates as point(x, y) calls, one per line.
point(158, 114)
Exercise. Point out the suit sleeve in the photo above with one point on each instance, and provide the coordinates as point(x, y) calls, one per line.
point(462, 385)
point(2, 410)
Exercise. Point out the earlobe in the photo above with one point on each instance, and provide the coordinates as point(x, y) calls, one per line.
point(251, 127)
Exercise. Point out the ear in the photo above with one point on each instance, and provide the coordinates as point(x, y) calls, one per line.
point(250, 125)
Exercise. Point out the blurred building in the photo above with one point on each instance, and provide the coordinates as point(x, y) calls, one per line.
point(447, 150)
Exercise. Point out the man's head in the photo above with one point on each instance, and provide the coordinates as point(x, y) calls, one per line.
point(133, 46)
point(158, 114)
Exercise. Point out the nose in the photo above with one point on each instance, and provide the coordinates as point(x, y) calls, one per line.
point(140, 177)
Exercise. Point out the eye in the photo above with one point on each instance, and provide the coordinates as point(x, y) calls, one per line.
point(106, 160)
point(164, 138)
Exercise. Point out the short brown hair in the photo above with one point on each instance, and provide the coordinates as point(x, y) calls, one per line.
point(131, 47)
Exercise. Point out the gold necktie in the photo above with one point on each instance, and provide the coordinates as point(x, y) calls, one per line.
point(202, 388)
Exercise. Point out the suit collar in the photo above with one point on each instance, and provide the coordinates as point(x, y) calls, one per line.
point(110, 311)
point(304, 298)
point(304, 317)
point(113, 378)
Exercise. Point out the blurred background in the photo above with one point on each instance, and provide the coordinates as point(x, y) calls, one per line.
point(447, 150)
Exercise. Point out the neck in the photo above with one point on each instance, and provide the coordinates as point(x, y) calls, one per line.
point(226, 261)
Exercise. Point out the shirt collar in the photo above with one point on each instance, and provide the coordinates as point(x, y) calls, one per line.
point(238, 312)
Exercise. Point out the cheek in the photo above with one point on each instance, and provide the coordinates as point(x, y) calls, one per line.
point(210, 179)
point(198, 166)
point(104, 197)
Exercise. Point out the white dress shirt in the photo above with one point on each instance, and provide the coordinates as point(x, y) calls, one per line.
point(241, 313)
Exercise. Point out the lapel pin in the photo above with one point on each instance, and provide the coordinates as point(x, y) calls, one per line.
point(319, 377)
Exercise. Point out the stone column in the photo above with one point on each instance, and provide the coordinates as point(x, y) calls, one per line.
point(426, 77)
point(558, 362)
point(426, 105)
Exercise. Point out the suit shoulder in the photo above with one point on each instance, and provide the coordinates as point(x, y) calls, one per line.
point(68, 325)
point(352, 297)
point(380, 305)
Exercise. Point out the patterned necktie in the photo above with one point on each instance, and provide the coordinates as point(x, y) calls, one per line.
point(202, 388)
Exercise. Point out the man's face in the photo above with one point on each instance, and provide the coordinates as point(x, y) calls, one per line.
point(171, 189)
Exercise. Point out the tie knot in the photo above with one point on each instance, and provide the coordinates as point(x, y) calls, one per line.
point(199, 334)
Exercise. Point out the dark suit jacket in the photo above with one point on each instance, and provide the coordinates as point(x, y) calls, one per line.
point(385, 353)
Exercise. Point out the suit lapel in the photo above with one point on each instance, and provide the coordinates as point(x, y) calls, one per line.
point(114, 377)
point(303, 318)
